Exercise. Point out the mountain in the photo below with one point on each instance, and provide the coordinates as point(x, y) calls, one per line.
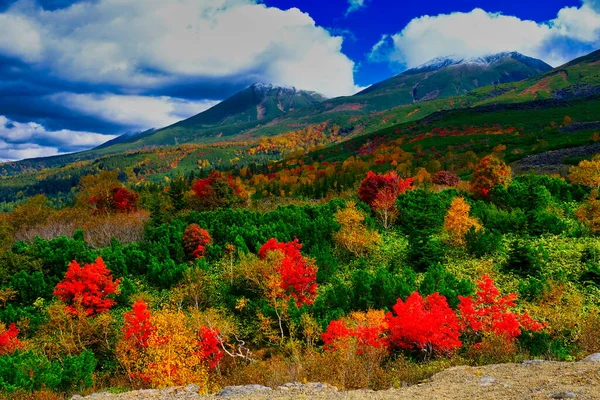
point(451, 76)
point(253, 106)
point(367, 112)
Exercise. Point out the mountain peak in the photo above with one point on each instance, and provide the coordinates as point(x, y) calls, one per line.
point(483, 61)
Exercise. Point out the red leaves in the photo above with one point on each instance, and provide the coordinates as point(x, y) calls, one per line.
point(120, 200)
point(219, 191)
point(367, 333)
point(209, 345)
point(489, 312)
point(424, 324)
point(490, 172)
point(446, 178)
point(124, 200)
point(374, 184)
point(138, 326)
point(8, 339)
point(298, 279)
point(88, 286)
point(195, 240)
point(430, 325)
point(336, 335)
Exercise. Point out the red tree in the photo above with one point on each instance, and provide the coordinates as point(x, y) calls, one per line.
point(209, 345)
point(490, 171)
point(120, 200)
point(298, 278)
point(219, 190)
point(428, 324)
point(89, 287)
point(124, 200)
point(446, 178)
point(489, 312)
point(138, 326)
point(8, 339)
point(374, 184)
point(195, 240)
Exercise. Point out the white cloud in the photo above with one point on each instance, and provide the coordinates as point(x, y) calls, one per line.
point(142, 44)
point(355, 5)
point(133, 112)
point(478, 33)
point(25, 140)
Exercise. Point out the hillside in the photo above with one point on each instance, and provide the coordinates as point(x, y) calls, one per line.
point(447, 76)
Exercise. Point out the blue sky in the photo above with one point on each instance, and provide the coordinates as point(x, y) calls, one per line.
point(74, 74)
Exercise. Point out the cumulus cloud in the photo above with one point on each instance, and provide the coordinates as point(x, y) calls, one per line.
point(574, 32)
point(25, 140)
point(136, 113)
point(355, 5)
point(142, 44)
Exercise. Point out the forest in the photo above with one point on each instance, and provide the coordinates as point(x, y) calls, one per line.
point(391, 264)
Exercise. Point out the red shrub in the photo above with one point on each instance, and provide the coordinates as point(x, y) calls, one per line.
point(89, 287)
point(489, 312)
point(428, 325)
point(490, 172)
point(336, 336)
point(219, 190)
point(138, 326)
point(373, 184)
point(120, 200)
point(210, 346)
point(298, 279)
point(124, 200)
point(8, 339)
point(446, 178)
point(195, 240)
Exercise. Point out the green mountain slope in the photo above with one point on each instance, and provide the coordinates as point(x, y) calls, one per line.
point(263, 110)
point(355, 115)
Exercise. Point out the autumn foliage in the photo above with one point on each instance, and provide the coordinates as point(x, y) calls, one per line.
point(425, 324)
point(354, 236)
point(89, 287)
point(458, 222)
point(446, 178)
point(167, 348)
point(8, 339)
point(195, 240)
point(375, 184)
point(586, 173)
point(490, 312)
point(489, 172)
point(296, 277)
point(138, 327)
point(219, 190)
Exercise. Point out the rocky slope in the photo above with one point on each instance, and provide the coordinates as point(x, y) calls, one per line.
point(529, 380)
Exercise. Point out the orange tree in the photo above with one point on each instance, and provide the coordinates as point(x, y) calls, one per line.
point(489, 172)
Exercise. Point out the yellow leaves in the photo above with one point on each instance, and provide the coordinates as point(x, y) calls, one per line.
point(458, 222)
point(172, 357)
point(587, 173)
point(353, 234)
point(589, 212)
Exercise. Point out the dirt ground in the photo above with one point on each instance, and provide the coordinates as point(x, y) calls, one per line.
point(530, 380)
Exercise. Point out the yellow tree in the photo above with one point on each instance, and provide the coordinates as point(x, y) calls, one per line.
point(587, 173)
point(589, 212)
point(353, 234)
point(458, 222)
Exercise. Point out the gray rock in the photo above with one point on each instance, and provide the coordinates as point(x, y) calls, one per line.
point(77, 397)
point(192, 388)
point(487, 381)
point(232, 391)
point(533, 362)
point(592, 358)
point(563, 395)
